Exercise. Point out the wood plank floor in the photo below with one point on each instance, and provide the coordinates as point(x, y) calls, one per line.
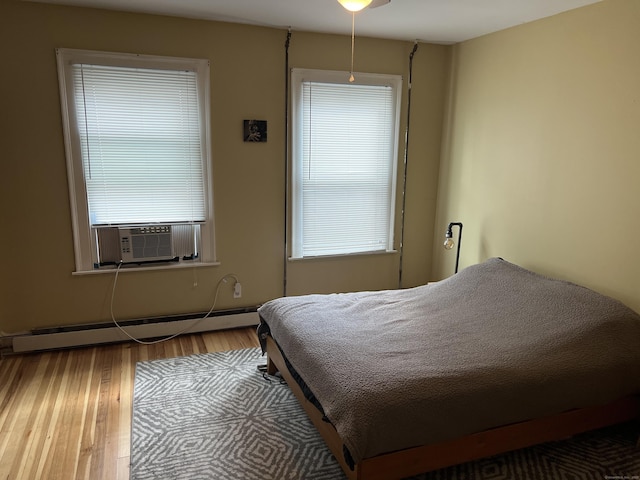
point(67, 414)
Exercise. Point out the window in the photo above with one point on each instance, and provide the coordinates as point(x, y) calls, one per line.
point(344, 146)
point(138, 156)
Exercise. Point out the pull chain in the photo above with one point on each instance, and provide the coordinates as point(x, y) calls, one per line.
point(353, 30)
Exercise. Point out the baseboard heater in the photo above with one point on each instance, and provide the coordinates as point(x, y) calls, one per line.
point(144, 329)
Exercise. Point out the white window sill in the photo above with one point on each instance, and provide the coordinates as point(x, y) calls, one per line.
point(147, 268)
point(359, 254)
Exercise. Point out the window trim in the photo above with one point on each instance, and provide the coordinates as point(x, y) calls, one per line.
point(300, 75)
point(84, 239)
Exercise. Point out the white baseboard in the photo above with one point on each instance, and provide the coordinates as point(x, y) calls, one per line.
point(97, 336)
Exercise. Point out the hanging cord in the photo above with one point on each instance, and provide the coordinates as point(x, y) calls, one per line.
point(185, 330)
point(286, 161)
point(406, 155)
point(86, 122)
point(353, 42)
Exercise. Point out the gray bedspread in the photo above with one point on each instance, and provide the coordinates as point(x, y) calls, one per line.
point(494, 344)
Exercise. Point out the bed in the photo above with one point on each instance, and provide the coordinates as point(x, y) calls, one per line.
point(494, 358)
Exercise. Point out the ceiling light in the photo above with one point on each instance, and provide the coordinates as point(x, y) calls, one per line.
point(354, 5)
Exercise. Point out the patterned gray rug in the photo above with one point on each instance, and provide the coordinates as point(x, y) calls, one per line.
point(214, 416)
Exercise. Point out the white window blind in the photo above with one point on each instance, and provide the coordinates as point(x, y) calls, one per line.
point(140, 140)
point(345, 157)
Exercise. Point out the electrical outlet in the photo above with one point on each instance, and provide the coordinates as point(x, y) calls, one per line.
point(237, 290)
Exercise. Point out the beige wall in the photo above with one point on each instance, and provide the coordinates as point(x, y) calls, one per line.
point(247, 81)
point(542, 154)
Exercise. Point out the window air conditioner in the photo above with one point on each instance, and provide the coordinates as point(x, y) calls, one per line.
point(146, 244)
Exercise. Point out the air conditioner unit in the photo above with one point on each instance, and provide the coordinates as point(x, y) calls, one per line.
point(146, 244)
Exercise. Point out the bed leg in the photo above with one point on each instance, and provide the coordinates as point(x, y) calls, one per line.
point(271, 367)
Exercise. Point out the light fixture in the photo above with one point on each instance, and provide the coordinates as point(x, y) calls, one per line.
point(448, 240)
point(353, 6)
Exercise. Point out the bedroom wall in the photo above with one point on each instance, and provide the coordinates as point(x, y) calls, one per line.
point(247, 81)
point(541, 158)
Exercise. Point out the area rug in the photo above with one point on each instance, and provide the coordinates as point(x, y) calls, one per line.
point(215, 416)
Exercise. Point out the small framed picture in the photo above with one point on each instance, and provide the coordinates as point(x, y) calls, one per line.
point(255, 130)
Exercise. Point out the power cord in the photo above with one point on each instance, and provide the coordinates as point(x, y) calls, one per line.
point(185, 330)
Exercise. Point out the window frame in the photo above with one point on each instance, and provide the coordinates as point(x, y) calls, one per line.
point(298, 77)
point(84, 235)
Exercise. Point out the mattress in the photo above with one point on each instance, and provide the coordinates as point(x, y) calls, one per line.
point(492, 345)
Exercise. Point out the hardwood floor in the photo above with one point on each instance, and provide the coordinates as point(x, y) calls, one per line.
point(67, 414)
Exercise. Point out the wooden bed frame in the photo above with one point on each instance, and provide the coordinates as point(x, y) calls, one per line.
point(413, 461)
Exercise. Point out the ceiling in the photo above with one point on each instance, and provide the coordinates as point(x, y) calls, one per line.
point(438, 21)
